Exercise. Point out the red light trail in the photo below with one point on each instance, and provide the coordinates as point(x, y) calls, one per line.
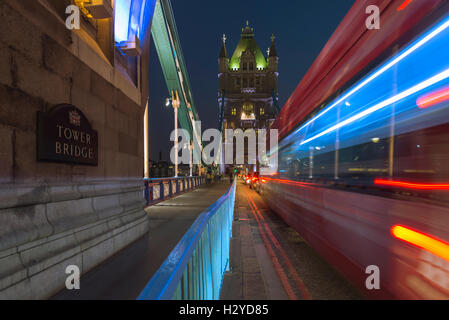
point(269, 234)
point(411, 185)
point(405, 4)
point(433, 98)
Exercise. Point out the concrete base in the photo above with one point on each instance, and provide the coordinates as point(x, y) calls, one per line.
point(45, 228)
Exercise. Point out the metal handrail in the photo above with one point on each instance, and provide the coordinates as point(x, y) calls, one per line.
point(195, 268)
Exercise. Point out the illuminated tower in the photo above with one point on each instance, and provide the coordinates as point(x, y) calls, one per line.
point(247, 96)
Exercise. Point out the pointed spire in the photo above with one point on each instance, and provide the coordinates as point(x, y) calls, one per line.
point(272, 50)
point(223, 51)
point(247, 31)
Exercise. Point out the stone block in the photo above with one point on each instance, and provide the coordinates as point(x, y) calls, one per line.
point(6, 65)
point(126, 105)
point(46, 283)
point(11, 265)
point(65, 192)
point(134, 126)
point(22, 195)
point(25, 156)
point(68, 215)
point(94, 236)
point(131, 200)
point(112, 187)
point(6, 154)
point(112, 117)
point(96, 254)
point(17, 31)
point(39, 82)
point(97, 173)
point(122, 122)
point(133, 215)
point(112, 164)
point(135, 168)
point(81, 76)
point(23, 224)
point(110, 140)
point(103, 89)
point(45, 256)
point(18, 109)
point(107, 206)
point(57, 58)
point(90, 105)
point(127, 144)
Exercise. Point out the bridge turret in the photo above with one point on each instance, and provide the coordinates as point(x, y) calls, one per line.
point(273, 58)
point(223, 60)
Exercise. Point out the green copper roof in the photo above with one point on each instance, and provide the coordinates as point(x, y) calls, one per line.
point(247, 42)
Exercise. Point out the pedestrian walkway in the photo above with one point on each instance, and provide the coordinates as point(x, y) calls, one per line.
point(270, 261)
point(125, 275)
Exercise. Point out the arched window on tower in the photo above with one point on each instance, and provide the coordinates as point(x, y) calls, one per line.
point(248, 112)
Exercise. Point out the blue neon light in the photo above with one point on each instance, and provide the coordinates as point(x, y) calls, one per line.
point(122, 12)
point(133, 18)
point(195, 268)
point(364, 111)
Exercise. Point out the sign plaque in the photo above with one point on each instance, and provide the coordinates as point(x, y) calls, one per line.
point(64, 134)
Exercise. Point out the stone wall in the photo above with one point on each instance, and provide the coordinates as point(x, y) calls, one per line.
point(46, 227)
point(54, 214)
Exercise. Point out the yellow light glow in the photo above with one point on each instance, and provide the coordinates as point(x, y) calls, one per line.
point(421, 240)
point(80, 4)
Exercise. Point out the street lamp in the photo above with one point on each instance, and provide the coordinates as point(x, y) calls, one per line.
point(191, 158)
point(175, 102)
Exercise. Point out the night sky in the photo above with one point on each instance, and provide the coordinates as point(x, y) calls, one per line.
point(301, 27)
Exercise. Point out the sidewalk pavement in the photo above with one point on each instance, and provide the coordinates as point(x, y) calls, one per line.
point(124, 275)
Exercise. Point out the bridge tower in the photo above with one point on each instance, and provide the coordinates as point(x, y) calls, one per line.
point(248, 85)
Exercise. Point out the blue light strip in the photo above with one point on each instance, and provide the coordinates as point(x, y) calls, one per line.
point(133, 17)
point(364, 109)
point(421, 86)
point(209, 238)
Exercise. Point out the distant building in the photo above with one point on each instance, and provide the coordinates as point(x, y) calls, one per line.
point(248, 85)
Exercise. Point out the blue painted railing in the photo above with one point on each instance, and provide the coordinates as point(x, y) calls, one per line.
point(163, 188)
point(195, 268)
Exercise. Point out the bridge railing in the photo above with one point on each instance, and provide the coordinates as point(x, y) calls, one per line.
point(163, 188)
point(195, 268)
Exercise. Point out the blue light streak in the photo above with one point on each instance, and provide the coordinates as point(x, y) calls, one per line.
point(363, 112)
point(133, 18)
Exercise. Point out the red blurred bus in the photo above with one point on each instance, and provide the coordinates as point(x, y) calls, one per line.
point(364, 150)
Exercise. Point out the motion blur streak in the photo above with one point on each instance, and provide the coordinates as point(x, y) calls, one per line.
point(411, 185)
point(291, 182)
point(404, 5)
point(277, 266)
point(421, 86)
point(421, 240)
point(433, 98)
point(299, 283)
